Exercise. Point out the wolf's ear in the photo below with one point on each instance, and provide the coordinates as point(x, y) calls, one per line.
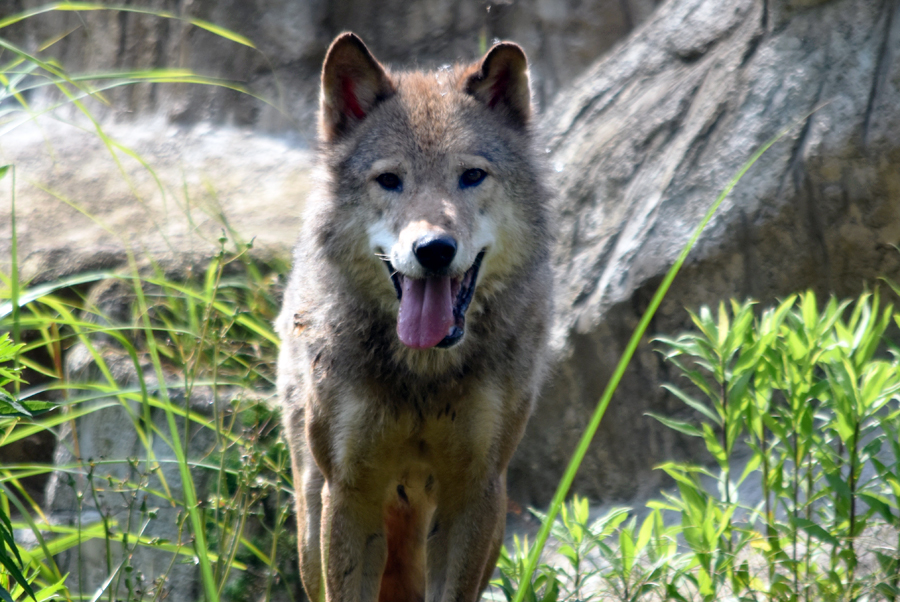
point(500, 81)
point(353, 82)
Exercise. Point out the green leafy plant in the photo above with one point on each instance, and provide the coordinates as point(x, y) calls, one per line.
point(817, 405)
point(800, 399)
point(10, 557)
point(216, 338)
point(608, 558)
point(183, 339)
point(513, 577)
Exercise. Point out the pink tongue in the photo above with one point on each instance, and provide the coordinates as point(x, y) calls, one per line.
point(426, 311)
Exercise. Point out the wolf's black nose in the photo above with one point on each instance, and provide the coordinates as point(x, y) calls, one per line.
point(435, 252)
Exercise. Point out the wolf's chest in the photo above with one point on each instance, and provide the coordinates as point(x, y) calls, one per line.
point(449, 432)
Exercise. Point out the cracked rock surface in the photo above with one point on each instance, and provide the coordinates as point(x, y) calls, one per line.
point(642, 144)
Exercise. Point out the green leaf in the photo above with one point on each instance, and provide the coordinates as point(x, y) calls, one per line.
point(7, 562)
point(645, 533)
point(881, 505)
point(737, 389)
point(10, 406)
point(569, 552)
point(6, 532)
point(810, 310)
point(751, 466)
point(711, 439)
point(697, 378)
point(894, 483)
point(678, 425)
point(606, 524)
point(45, 289)
point(700, 407)
point(580, 509)
point(3, 170)
point(723, 326)
point(626, 549)
point(48, 591)
point(748, 358)
point(841, 490)
point(551, 592)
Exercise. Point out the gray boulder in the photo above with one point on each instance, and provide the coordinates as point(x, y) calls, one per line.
point(643, 143)
point(79, 209)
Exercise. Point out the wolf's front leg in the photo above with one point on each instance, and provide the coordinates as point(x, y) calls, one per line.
point(463, 546)
point(354, 548)
point(309, 521)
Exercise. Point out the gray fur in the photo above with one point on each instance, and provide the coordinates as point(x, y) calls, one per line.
point(364, 414)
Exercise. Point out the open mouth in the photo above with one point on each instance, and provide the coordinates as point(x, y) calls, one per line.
point(433, 309)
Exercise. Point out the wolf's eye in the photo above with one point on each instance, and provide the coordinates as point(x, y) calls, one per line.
point(472, 177)
point(390, 181)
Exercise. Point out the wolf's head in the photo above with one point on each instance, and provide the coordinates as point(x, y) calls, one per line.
point(435, 202)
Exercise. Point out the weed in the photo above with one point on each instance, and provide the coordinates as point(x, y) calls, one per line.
point(805, 396)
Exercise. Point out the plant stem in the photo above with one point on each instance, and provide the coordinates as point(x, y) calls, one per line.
point(724, 391)
point(770, 529)
point(854, 452)
point(837, 519)
point(796, 499)
point(191, 503)
point(809, 487)
point(895, 580)
point(106, 532)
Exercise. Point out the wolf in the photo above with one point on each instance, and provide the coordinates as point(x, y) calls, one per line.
point(414, 325)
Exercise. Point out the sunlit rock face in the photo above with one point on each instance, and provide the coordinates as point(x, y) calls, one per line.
point(642, 144)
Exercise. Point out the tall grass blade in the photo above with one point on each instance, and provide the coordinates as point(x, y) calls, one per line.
point(14, 261)
point(94, 6)
point(43, 290)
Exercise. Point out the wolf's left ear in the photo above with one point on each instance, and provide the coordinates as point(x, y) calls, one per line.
point(353, 82)
point(500, 81)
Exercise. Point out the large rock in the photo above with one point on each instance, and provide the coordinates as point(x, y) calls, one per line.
point(644, 142)
point(562, 38)
point(81, 208)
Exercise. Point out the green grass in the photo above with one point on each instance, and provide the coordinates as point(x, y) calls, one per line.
point(809, 393)
point(208, 337)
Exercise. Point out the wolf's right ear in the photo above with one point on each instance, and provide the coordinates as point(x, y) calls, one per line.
point(353, 82)
point(500, 80)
